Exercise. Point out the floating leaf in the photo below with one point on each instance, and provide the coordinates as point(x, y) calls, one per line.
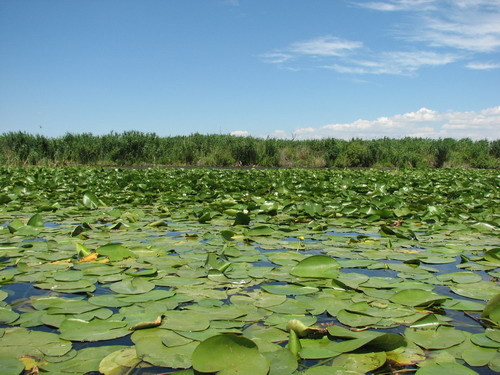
point(18, 342)
point(229, 354)
point(94, 330)
point(482, 290)
point(288, 289)
point(356, 320)
point(150, 346)
point(439, 338)
point(361, 363)
point(317, 266)
point(417, 297)
point(493, 255)
point(119, 362)
point(133, 285)
point(282, 362)
point(185, 321)
point(321, 348)
point(7, 315)
point(477, 355)
point(445, 368)
point(10, 366)
point(85, 361)
point(115, 252)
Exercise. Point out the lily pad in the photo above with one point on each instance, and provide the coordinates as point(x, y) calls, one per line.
point(11, 366)
point(115, 252)
point(289, 289)
point(317, 266)
point(230, 355)
point(85, 361)
point(360, 362)
point(94, 330)
point(445, 368)
point(133, 285)
point(417, 297)
point(119, 362)
point(435, 338)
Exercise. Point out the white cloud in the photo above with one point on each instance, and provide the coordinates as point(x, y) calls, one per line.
point(304, 131)
point(324, 46)
point(398, 5)
point(276, 58)
point(240, 133)
point(484, 124)
point(470, 25)
point(432, 33)
point(482, 66)
point(394, 62)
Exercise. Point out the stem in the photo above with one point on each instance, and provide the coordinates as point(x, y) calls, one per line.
point(139, 361)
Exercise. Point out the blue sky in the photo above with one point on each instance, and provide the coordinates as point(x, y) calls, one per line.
point(279, 68)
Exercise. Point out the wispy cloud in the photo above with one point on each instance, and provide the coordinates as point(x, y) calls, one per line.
point(470, 25)
point(397, 5)
point(397, 62)
point(433, 33)
point(276, 57)
point(482, 66)
point(324, 46)
point(425, 122)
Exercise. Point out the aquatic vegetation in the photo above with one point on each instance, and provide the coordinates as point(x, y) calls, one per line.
point(248, 271)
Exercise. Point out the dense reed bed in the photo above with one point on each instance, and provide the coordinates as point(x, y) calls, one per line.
point(133, 148)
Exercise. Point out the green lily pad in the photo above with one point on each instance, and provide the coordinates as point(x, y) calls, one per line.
point(18, 342)
point(185, 321)
point(360, 362)
point(289, 289)
point(317, 266)
point(417, 297)
point(282, 362)
point(320, 348)
point(78, 286)
point(357, 320)
point(133, 285)
point(460, 277)
point(109, 300)
point(493, 255)
point(445, 368)
point(119, 362)
point(439, 338)
point(85, 361)
point(115, 252)
point(229, 355)
point(482, 290)
point(11, 366)
point(94, 330)
point(7, 315)
point(477, 355)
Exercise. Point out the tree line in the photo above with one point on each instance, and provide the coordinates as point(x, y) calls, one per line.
point(134, 148)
